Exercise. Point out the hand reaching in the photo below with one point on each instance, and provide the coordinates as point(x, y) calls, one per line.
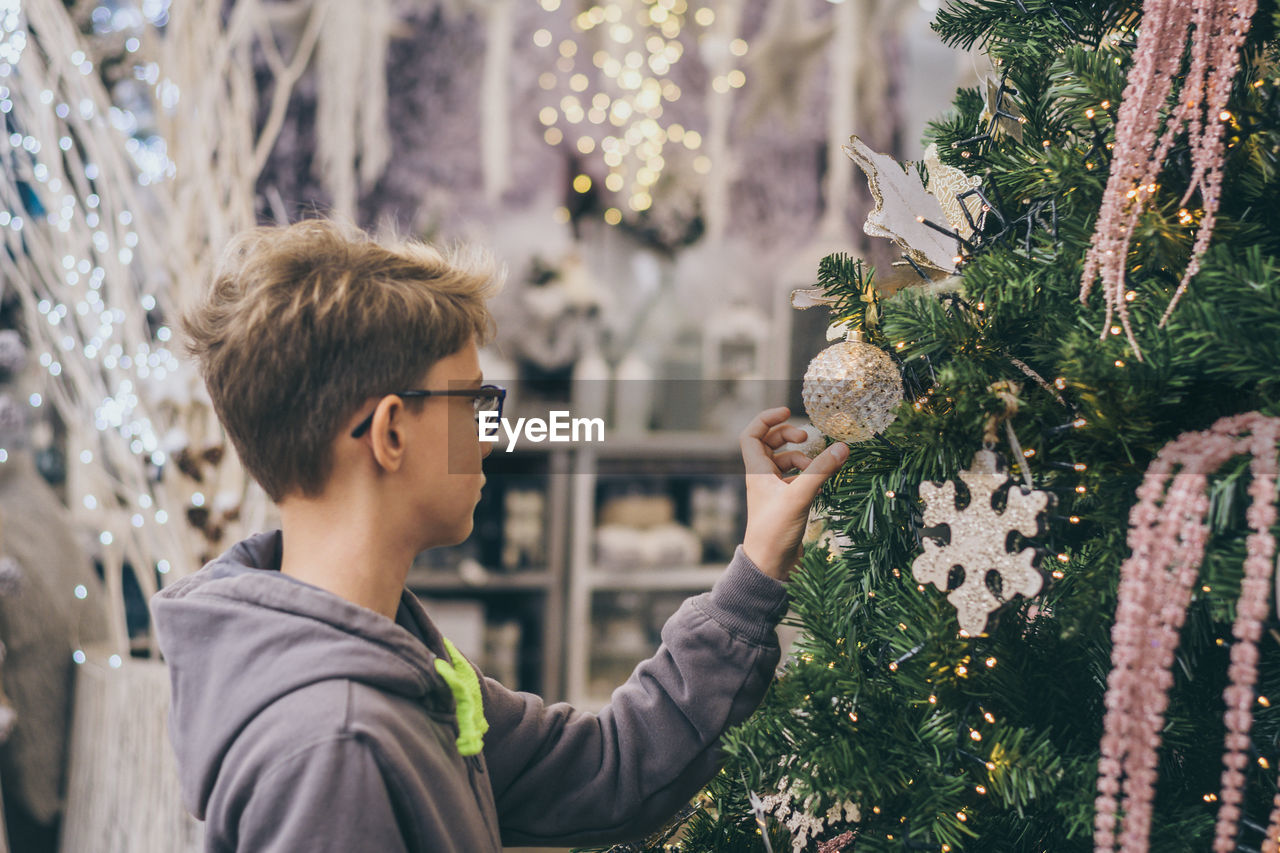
point(778, 506)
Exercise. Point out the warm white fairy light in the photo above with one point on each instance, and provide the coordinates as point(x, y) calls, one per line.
point(621, 117)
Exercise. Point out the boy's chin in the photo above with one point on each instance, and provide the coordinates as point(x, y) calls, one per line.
point(461, 532)
point(448, 535)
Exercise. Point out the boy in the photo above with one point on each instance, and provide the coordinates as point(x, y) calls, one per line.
point(315, 706)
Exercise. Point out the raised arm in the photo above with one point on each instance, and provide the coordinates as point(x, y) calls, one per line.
point(567, 777)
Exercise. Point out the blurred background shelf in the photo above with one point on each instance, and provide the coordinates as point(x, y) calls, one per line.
point(690, 578)
point(689, 483)
point(563, 620)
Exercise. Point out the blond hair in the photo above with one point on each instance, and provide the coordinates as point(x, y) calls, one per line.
point(302, 324)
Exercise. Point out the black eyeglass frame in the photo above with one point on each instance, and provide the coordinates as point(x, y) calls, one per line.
point(484, 392)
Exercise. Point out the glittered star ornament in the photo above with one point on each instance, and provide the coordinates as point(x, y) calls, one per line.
point(782, 58)
point(998, 104)
point(977, 545)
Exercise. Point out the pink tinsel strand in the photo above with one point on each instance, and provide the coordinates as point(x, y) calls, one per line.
point(1148, 89)
point(1271, 843)
point(1168, 534)
point(1220, 27)
point(1250, 613)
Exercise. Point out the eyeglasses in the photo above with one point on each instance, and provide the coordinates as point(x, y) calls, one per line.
point(486, 398)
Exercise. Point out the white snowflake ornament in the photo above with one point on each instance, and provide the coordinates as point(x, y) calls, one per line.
point(978, 535)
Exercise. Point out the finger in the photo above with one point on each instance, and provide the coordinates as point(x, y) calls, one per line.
point(763, 422)
point(755, 455)
point(809, 481)
point(789, 459)
point(785, 434)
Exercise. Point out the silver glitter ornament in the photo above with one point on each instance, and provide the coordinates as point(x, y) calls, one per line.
point(851, 390)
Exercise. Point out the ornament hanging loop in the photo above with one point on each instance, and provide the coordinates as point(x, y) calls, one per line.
point(1007, 392)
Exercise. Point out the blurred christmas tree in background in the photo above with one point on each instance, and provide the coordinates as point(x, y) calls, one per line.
point(893, 728)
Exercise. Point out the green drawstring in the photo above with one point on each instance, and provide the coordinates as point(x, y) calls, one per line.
point(465, 684)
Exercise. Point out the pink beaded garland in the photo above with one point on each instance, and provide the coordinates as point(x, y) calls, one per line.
point(1167, 537)
point(1219, 31)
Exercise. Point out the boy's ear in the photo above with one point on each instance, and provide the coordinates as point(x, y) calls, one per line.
point(385, 433)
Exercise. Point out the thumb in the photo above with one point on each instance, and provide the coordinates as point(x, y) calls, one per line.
point(809, 482)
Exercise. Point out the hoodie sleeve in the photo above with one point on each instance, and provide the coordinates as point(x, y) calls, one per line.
point(328, 796)
point(561, 776)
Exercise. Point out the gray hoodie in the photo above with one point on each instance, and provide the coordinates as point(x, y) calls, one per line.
point(304, 722)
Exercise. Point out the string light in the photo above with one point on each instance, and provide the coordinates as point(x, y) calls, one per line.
point(615, 97)
point(81, 321)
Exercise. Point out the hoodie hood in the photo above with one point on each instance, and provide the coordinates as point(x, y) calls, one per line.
point(238, 635)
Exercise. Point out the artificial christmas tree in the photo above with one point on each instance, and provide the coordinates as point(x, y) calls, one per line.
point(890, 728)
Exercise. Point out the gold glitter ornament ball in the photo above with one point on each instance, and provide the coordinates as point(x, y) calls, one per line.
point(851, 390)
